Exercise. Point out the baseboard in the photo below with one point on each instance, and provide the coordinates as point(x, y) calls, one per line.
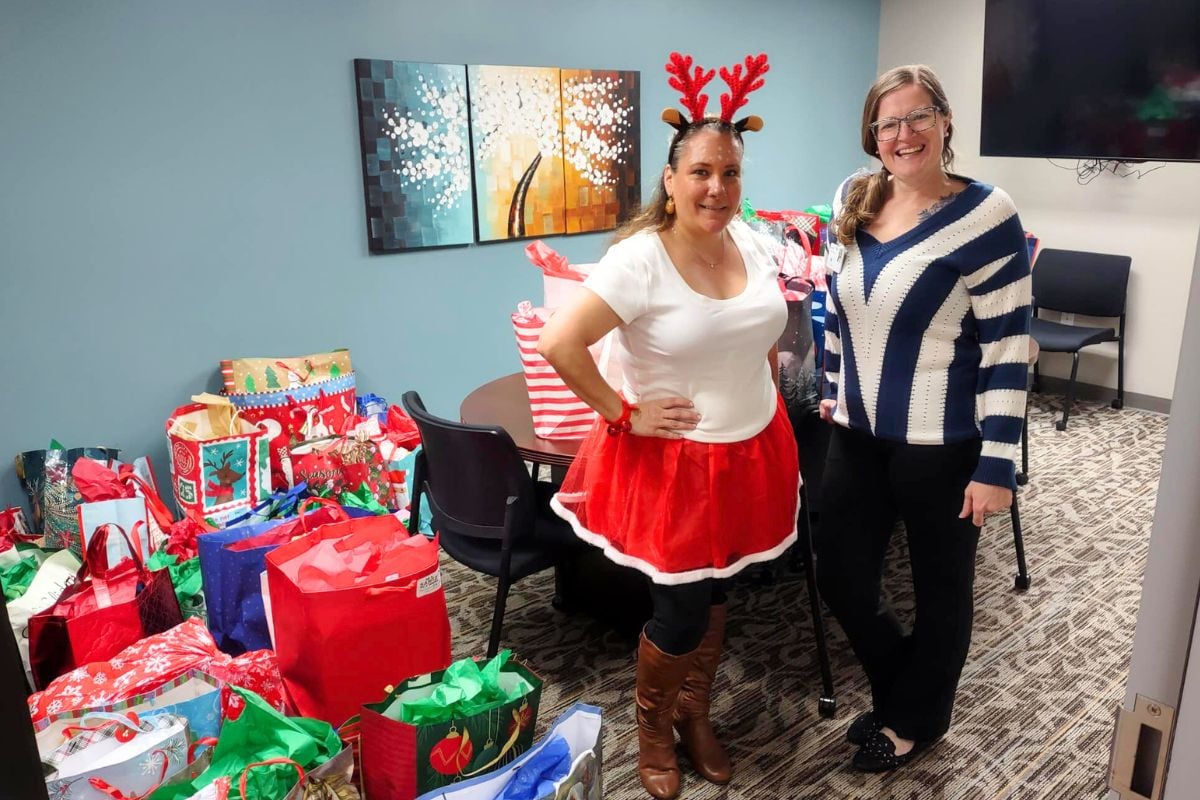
point(1104, 394)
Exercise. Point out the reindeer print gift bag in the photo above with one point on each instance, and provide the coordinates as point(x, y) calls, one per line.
point(220, 462)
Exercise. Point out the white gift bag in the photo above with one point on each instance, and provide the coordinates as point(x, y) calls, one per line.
point(117, 752)
point(55, 573)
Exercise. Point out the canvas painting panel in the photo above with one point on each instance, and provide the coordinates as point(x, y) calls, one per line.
point(601, 132)
point(416, 154)
point(516, 127)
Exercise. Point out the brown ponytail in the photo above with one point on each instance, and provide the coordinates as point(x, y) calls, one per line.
point(866, 193)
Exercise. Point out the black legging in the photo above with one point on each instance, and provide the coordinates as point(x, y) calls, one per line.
point(681, 614)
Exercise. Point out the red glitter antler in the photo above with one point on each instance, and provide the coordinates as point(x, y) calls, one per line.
point(739, 86)
point(689, 84)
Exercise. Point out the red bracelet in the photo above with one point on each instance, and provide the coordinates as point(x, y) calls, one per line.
point(623, 423)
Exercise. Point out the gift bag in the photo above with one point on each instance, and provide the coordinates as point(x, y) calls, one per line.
point(365, 610)
point(259, 375)
point(46, 477)
point(187, 580)
point(52, 578)
point(149, 663)
point(458, 723)
point(254, 732)
point(194, 696)
point(107, 609)
point(231, 561)
point(220, 462)
point(96, 483)
point(127, 513)
point(294, 398)
point(557, 412)
point(560, 280)
point(566, 763)
point(117, 755)
point(349, 469)
point(333, 780)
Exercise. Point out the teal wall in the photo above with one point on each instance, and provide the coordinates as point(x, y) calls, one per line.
point(180, 182)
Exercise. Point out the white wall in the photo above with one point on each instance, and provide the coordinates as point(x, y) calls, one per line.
point(1154, 219)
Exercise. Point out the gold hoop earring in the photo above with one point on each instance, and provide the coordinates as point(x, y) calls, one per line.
point(670, 206)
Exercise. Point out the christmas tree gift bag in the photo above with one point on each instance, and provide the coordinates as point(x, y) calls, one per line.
point(433, 730)
point(220, 462)
point(46, 477)
point(294, 398)
point(565, 763)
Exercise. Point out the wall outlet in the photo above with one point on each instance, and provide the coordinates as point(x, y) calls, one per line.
point(1067, 318)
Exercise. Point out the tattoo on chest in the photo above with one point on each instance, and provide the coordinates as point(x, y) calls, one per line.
point(937, 206)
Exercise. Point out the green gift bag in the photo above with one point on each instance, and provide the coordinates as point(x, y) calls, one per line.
point(433, 730)
point(254, 732)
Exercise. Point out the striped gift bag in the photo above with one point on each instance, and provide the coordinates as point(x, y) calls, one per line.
point(557, 412)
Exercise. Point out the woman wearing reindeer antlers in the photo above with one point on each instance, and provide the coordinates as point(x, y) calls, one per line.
point(692, 473)
point(926, 343)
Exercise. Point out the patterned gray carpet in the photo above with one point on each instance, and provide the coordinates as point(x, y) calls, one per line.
point(1046, 671)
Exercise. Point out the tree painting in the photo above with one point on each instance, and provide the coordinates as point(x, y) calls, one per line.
point(416, 161)
point(600, 148)
point(516, 124)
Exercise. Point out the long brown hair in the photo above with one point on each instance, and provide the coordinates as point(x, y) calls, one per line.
point(653, 215)
point(866, 193)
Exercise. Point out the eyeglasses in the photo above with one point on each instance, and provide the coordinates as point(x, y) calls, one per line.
point(917, 120)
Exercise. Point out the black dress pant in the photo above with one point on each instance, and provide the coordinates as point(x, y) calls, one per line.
point(868, 483)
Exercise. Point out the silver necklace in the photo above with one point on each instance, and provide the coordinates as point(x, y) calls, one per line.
point(710, 264)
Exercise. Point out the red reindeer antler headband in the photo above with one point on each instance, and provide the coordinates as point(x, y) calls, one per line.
point(689, 83)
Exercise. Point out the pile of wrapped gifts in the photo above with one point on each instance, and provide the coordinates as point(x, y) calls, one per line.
point(283, 634)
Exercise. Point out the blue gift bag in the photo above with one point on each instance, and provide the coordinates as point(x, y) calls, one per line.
point(230, 566)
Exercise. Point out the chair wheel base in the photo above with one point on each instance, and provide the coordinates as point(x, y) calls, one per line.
point(1022, 479)
point(1022, 582)
point(1060, 425)
point(1118, 404)
point(827, 707)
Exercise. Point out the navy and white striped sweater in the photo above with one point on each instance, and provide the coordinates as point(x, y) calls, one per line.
point(927, 335)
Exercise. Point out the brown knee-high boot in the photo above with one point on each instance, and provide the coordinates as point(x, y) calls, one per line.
point(691, 712)
point(659, 678)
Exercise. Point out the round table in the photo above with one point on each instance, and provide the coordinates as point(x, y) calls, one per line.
point(505, 402)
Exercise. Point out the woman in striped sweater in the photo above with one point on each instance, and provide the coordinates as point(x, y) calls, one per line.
point(925, 355)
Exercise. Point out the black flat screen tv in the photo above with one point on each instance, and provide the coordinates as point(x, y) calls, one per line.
point(1092, 79)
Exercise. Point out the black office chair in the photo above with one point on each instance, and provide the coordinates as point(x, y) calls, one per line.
point(1075, 282)
point(490, 514)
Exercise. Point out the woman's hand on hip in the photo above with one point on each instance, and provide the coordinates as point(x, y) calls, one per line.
point(981, 499)
point(828, 407)
point(667, 417)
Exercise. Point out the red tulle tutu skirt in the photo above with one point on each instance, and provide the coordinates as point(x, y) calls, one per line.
point(683, 511)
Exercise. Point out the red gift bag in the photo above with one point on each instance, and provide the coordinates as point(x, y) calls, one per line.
point(107, 609)
point(365, 610)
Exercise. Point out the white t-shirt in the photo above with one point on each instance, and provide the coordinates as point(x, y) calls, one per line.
point(678, 342)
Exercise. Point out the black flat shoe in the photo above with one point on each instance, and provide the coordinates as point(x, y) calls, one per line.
point(863, 728)
point(878, 754)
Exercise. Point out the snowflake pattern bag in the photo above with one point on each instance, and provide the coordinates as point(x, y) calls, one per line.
point(117, 755)
point(152, 661)
point(220, 462)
